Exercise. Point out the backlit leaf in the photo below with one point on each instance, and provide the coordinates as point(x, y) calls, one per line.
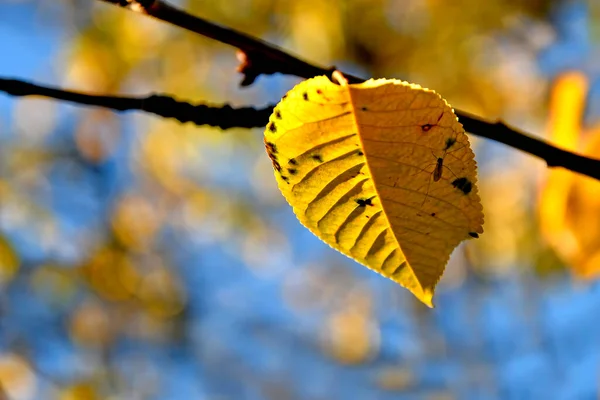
point(382, 171)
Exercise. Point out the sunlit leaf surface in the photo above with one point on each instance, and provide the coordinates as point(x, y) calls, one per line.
point(382, 171)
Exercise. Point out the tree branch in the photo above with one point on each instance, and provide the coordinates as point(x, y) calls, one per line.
point(224, 117)
point(553, 156)
point(256, 56)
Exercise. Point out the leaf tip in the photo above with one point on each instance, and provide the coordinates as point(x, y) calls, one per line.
point(426, 298)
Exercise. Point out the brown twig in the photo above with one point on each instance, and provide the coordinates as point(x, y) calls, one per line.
point(224, 117)
point(553, 156)
point(256, 56)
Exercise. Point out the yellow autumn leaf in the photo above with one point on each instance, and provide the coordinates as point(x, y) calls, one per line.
point(381, 171)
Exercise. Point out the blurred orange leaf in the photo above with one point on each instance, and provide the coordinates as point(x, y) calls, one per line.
point(90, 325)
point(17, 379)
point(80, 391)
point(112, 274)
point(569, 205)
point(136, 221)
point(351, 337)
point(9, 261)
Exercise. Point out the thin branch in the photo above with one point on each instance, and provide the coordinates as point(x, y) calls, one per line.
point(256, 56)
point(224, 117)
point(553, 156)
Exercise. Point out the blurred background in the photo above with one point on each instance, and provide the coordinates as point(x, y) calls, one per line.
point(145, 259)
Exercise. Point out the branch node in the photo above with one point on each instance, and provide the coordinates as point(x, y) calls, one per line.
point(253, 64)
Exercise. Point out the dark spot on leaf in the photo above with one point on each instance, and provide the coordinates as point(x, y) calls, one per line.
point(272, 127)
point(305, 96)
point(360, 153)
point(292, 171)
point(433, 214)
point(293, 161)
point(474, 234)
point(285, 178)
point(319, 91)
point(317, 158)
point(449, 143)
point(277, 114)
point(271, 148)
point(271, 152)
point(426, 127)
point(363, 108)
point(284, 96)
point(367, 216)
point(364, 202)
point(463, 184)
point(276, 165)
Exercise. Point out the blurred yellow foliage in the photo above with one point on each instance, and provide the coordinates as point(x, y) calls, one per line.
point(17, 380)
point(136, 221)
point(92, 65)
point(91, 325)
point(395, 378)
point(316, 28)
point(351, 334)
point(104, 53)
point(351, 337)
point(166, 151)
point(97, 134)
point(112, 274)
point(505, 246)
point(9, 261)
point(80, 391)
point(569, 204)
point(161, 293)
